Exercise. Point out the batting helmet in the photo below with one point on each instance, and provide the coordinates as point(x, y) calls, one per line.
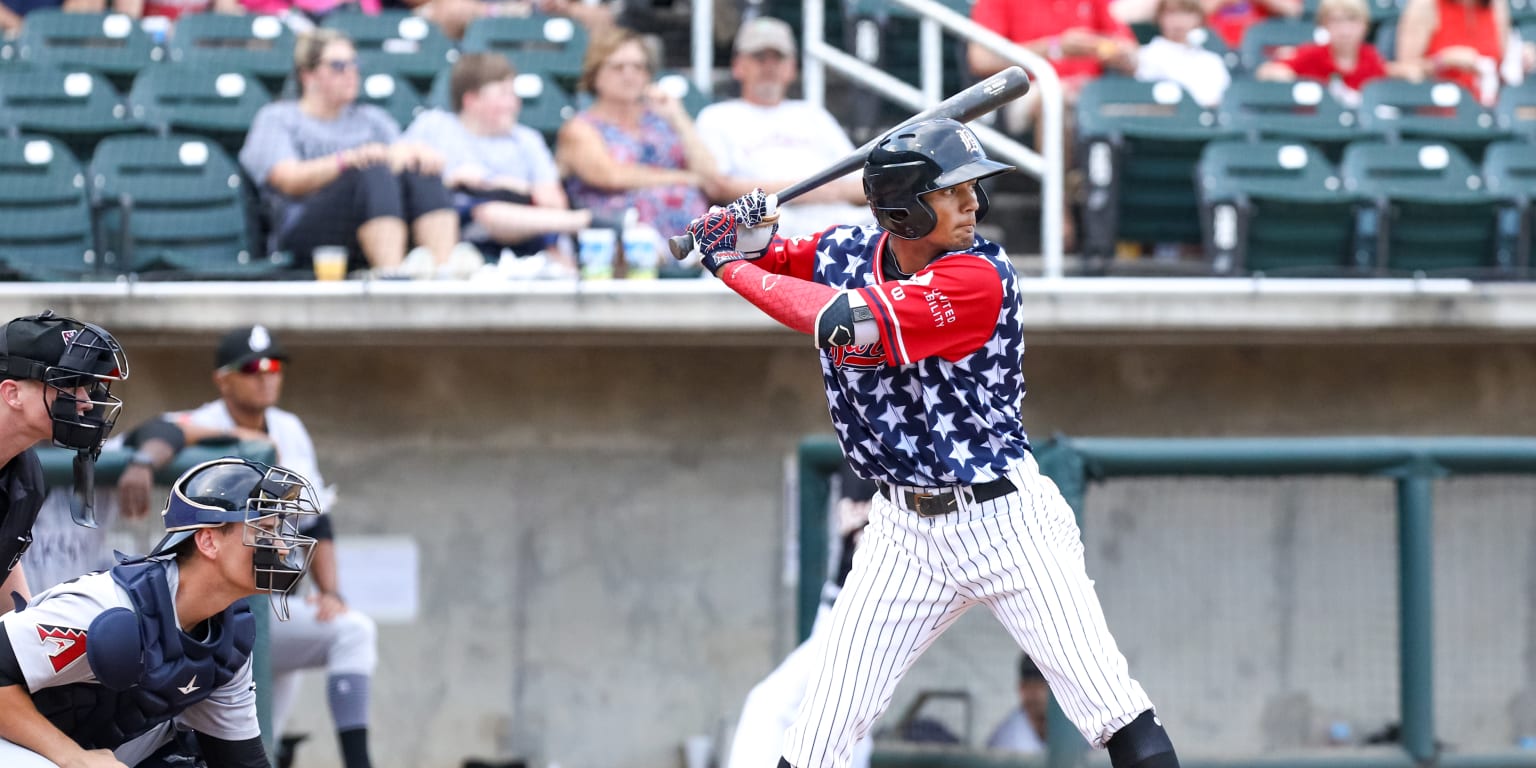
point(267, 501)
point(919, 158)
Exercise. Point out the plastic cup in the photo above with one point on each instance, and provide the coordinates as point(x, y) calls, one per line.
point(595, 252)
point(330, 262)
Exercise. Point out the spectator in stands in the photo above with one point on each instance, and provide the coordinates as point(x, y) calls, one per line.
point(12, 12)
point(337, 173)
point(1024, 729)
point(1232, 18)
point(502, 175)
point(1172, 55)
point(171, 10)
point(635, 147)
point(1082, 40)
point(1460, 41)
point(764, 139)
point(1346, 62)
point(1134, 11)
point(454, 16)
point(301, 15)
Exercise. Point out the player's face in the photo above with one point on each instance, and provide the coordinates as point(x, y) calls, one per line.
point(954, 210)
point(250, 391)
point(1035, 698)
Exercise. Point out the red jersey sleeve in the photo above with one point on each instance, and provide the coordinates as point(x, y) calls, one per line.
point(793, 256)
point(948, 310)
point(1311, 61)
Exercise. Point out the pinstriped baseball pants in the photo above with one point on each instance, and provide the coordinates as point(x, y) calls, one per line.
point(1021, 556)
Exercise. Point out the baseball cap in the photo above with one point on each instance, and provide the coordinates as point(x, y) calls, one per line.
point(765, 34)
point(32, 344)
point(242, 345)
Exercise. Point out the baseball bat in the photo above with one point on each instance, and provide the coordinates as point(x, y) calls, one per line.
point(965, 106)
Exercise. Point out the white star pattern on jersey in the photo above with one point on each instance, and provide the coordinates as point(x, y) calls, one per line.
point(898, 423)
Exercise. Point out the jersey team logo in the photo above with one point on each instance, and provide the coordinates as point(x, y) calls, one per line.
point(65, 645)
point(863, 356)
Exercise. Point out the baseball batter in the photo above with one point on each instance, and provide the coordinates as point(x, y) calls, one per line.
point(101, 671)
point(918, 324)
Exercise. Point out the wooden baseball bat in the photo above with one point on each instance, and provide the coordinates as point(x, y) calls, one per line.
point(965, 106)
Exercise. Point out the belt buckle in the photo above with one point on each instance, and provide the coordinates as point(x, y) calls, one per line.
point(933, 504)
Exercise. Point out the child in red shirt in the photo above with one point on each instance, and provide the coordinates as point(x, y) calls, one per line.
point(1346, 62)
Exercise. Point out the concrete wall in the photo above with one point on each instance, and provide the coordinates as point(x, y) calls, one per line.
point(601, 524)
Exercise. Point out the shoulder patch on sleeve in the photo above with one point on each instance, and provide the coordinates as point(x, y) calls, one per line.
point(64, 645)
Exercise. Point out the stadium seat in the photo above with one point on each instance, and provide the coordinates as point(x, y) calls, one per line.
point(108, 43)
point(1385, 39)
point(1430, 111)
point(199, 100)
point(78, 108)
point(1387, 11)
point(546, 106)
point(537, 44)
point(1432, 211)
point(175, 202)
point(1277, 207)
point(1509, 169)
point(1299, 111)
point(1138, 143)
point(1516, 110)
point(396, 43)
point(261, 46)
point(1261, 41)
point(45, 214)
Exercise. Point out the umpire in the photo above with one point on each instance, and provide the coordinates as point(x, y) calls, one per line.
point(56, 377)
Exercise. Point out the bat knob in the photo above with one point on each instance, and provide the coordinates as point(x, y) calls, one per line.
point(681, 246)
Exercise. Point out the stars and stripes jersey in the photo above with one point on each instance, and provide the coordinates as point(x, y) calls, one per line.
point(936, 400)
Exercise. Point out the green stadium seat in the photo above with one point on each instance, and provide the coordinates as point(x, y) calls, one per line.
point(1522, 11)
point(1138, 143)
point(1298, 111)
point(111, 44)
point(198, 100)
point(1516, 109)
point(78, 108)
point(1262, 40)
point(1430, 111)
point(396, 43)
point(1385, 39)
point(176, 202)
point(1385, 11)
point(537, 44)
point(546, 106)
point(45, 214)
point(1432, 212)
point(1278, 207)
point(1509, 170)
point(261, 46)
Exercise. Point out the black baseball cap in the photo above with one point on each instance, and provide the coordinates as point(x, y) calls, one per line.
point(32, 344)
point(247, 343)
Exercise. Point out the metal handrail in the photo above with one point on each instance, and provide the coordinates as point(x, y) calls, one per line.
point(1047, 165)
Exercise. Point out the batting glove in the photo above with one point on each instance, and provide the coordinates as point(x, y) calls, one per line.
point(757, 219)
point(714, 262)
point(714, 231)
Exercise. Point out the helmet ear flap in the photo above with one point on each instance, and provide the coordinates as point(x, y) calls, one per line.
point(981, 203)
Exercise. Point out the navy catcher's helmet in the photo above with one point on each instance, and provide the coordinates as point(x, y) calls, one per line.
point(67, 356)
point(268, 501)
point(919, 158)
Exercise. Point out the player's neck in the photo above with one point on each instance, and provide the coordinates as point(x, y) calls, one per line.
point(909, 255)
point(201, 593)
point(247, 418)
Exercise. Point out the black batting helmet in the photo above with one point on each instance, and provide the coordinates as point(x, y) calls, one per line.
point(919, 158)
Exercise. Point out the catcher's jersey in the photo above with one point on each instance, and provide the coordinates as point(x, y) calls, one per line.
point(49, 638)
point(936, 400)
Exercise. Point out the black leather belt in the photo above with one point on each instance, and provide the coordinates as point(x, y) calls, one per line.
point(942, 501)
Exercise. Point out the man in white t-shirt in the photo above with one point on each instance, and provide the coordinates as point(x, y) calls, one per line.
point(766, 140)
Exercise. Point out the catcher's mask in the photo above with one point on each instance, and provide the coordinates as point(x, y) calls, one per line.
point(913, 160)
point(268, 502)
point(77, 362)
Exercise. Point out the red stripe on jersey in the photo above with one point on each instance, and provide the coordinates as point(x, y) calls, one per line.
point(948, 309)
point(887, 323)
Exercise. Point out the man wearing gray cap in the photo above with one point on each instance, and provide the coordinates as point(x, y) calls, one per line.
point(766, 140)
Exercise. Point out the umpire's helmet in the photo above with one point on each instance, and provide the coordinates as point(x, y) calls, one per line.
point(68, 356)
point(268, 501)
point(919, 158)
